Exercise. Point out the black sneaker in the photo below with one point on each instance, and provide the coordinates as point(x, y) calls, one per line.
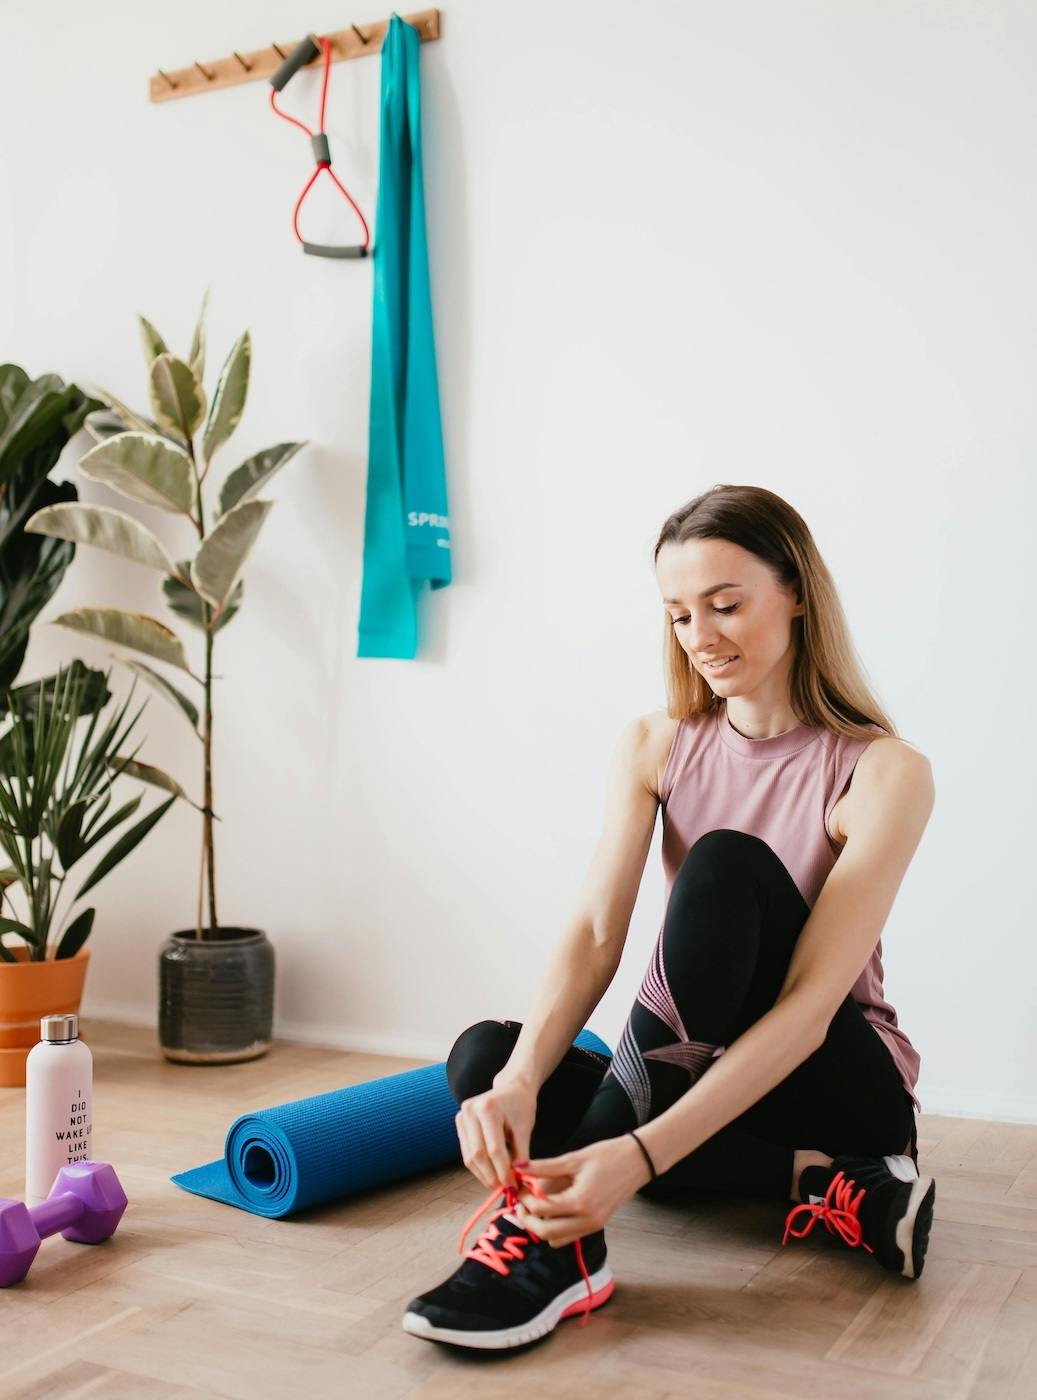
point(883, 1205)
point(512, 1288)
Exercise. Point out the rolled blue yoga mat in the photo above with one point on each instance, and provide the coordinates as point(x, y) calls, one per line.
point(283, 1159)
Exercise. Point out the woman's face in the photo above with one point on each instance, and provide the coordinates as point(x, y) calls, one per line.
point(731, 616)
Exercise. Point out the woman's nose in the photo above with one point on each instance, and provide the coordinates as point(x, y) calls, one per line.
point(701, 633)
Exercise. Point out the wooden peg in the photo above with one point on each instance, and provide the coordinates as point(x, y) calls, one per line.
point(248, 66)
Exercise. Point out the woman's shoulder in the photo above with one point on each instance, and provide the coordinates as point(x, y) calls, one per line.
point(645, 745)
point(891, 776)
point(888, 757)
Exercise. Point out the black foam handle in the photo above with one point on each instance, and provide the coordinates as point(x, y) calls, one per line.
point(303, 53)
point(323, 250)
point(321, 149)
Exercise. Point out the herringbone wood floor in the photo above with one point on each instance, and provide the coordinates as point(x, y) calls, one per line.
point(196, 1299)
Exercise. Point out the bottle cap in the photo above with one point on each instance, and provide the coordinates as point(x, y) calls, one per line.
point(59, 1027)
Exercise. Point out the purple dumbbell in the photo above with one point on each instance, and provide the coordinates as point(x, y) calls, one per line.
point(86, 1204)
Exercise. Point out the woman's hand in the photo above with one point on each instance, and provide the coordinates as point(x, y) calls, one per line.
point(582, 1189)
point(494, 1130)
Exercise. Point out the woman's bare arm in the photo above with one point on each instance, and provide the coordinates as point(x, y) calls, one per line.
point(583, 962)
point(588, 953)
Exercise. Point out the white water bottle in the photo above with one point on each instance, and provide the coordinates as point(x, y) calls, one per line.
point(58, 1104)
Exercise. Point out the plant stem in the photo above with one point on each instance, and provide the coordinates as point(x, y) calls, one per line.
point(207, 821)
point(207, 874)
point(201, 888)
point(33, 920)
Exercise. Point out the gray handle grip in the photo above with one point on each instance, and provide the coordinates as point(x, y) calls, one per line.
point(323, 250)
point(302, 54)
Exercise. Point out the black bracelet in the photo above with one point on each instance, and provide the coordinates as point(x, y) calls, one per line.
point(644, 1154)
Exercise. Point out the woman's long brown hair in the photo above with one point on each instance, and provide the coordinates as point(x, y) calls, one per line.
point(827, 685)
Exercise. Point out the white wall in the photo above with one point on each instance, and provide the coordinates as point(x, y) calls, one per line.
point(672, 244)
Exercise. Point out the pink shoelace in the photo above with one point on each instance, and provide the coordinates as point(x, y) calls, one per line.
point(497, 1250)
point(838, 1211)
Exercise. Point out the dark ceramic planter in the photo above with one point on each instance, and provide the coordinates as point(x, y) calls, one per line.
point(216, 996)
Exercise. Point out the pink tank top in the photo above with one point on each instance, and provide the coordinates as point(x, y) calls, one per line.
point(781, 790)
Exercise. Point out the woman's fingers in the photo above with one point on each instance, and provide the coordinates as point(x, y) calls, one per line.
point(557, 1204)
point(557, 1230)
point(552, 1172)
point(487, 1140)
point(475, 1153)
point(521, 1144)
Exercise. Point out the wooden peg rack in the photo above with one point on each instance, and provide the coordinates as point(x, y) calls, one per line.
point(358, 41)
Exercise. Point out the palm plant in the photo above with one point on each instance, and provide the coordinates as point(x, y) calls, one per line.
point(158, 463)
point(60, 757)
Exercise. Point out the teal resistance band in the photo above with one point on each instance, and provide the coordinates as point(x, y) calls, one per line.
point(406, 536)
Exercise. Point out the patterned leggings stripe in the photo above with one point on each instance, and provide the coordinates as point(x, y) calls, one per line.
point(655, 996)
point(629, 1069)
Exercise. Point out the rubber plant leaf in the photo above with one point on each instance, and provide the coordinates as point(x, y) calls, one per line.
point(248, 480)
point(152, 342)
point(229, 400)
point(35, 415)
point(144, 468)
point(105, 423)
point(177, 398)
point(160, 684)
point(76, 934)
point(196, 359)
point(111, 530)
point(215, 568)
point(148, 773)
point(125, 844)
point(133, 422)
point(91, 691)
point(13, 380)
point(79, 411)
point(185, 602)
point(31, 566)
point(127, 629)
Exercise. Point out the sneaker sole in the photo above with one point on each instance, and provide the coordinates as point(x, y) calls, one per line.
point(912, 1232)
point(567, 1304)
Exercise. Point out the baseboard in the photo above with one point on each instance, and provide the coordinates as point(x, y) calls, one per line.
point(359, 1039)
point(122, 1012)
point(953, 1103)
point(364, 1041)
point(993, 1107)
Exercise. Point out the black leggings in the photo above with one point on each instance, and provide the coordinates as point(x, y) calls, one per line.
point(731, 925)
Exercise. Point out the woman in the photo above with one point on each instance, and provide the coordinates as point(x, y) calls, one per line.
point(760, 1055)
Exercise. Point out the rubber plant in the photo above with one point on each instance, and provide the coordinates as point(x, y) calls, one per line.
point(38, 417)
point(62, 751)
point(165, 463)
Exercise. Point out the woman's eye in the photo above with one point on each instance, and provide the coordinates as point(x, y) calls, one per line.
point(722, 612)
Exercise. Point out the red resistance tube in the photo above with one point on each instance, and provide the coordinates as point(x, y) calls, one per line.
point(319, 141)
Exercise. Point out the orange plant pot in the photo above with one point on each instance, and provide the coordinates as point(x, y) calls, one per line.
point(29, 990)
